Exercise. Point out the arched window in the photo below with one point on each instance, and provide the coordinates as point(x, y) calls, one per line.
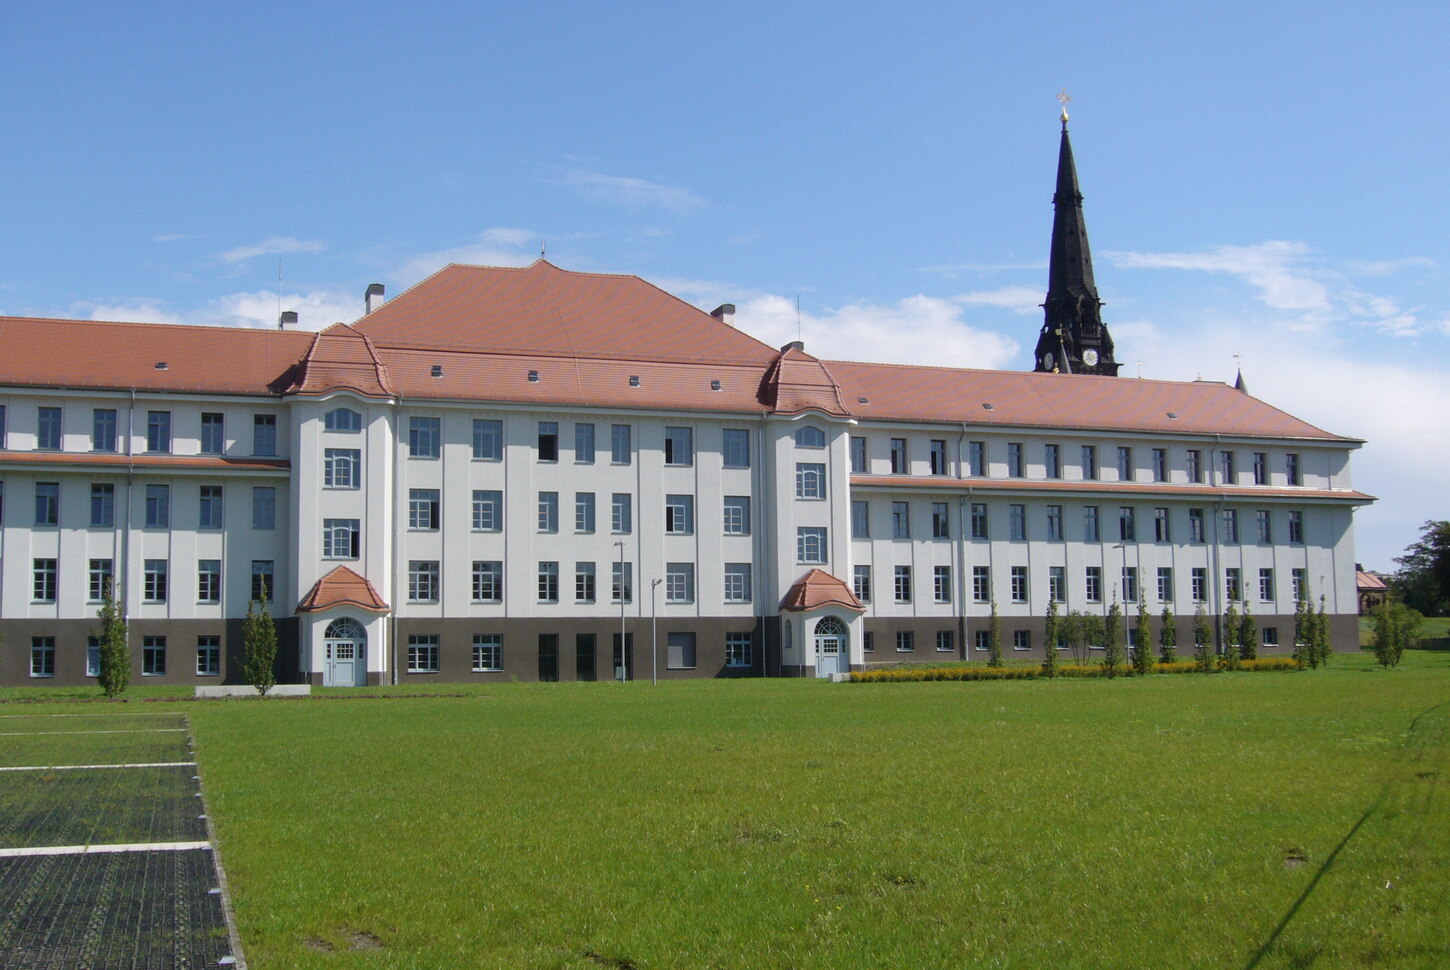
point(810, 436)
point(829, 626)
point(342, 419)
point(345, 628)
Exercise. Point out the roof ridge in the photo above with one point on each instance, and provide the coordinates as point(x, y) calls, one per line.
point(156, 324)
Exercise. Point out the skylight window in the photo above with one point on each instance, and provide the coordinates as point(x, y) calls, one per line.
point(533, 377)
point(634, 380)
point(437, 370)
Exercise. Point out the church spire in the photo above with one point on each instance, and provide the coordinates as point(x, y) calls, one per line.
point(1073, 338)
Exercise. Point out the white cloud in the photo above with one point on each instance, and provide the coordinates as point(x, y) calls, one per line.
point(1275, 267)
point(499, 246)
point(141, 311)
point(1018, 299)
point(916, 330)
point(633, 192)
point(315, 311)
point(272, 245)
point(1387, 267)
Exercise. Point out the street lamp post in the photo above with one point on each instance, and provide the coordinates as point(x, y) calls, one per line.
point(1123, 579)
point(622, 672)
point(654, 637)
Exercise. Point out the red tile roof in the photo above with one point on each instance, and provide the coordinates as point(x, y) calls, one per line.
point(342, 587)
point(342, 358)
point(819, 588)
point(1368, 581)
point(1207, 493)
point(122, 462)
point(799, 382)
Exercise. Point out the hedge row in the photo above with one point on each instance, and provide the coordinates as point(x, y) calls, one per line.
point(896, 675)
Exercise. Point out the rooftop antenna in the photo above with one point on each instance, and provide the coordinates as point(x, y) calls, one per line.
point(279, 290)
point(1140, 370)
point(798, 316)
point(541, 249)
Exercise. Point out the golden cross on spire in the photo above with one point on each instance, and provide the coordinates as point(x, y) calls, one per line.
point(1063, 99)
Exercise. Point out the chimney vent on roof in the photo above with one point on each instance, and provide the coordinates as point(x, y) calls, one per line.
point(372, 297)
point(725, 313)
point(161, 365)
point(437, 370)
point(287, 319)
point(794, 345)
point(533, 377)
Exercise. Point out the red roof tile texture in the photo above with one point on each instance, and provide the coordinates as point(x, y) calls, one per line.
point(819, 588)
point(169, 462)
point(342, 587)
point(1368, 581)
point(341, 358)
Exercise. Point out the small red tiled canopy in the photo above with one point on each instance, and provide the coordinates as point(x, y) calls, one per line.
point(819, 588)
point(342, 587)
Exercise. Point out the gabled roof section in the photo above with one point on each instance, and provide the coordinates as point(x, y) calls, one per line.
point(542, 310)
point(342, 358)
point(38, 352)
point(1366, 581)
point(894, 392)
point(819, 588)
point(342, 587)
point(798, 382)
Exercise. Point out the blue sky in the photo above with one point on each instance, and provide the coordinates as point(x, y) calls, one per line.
point(1261, 179)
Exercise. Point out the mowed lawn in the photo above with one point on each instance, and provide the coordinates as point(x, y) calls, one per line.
point(1246, 820)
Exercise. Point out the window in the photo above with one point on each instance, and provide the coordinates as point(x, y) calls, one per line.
point(264, 434)
point(1199, 584)
point(1195, 466)
point(209, 581)
point(620, 448)
point(584, 443)
point(738, 649)
point(810, 545)
point(735, 447)
point(47, 503)
point(103, 505)
point(1165, 584)
point(1195, 525)
point(487, 510)
point(680, 651)
point(946, 641)
point(1261, 468)
point(979, 520)
point(898, 456)
point(341, 538)
point(1270, 636)
point(153, 656)
point(209, 511)
point(264, 507)
point(941, 584)
point(860, 519)
point(1264, 526)
point(338, 419)
point(622, 582)
point(548, 511)
point(1127, 524)
point(1296, 528)
point(1014, 459)
point(1160, 464)
point(983, 639)
point(1057, 583)
point(208, 656)
point(1266, 585)
point(938, 456)
point(1091, 532)
point(584, 582)
point(1089, 462)
point(341, 467)
point(488, 439)
point(621, 514)
point(809, 436)
point(1093, 584)
point(981, 584)
point(2, 426)
point(1019, 584)
point(422, 653)
point(679, 582)
point(1125, 464)
point(940, 520)
point(47, 429)
point(679, 514)
point(103, 429)
point(548, 582)
point(424, 437)
point(1017, 522)
point(263, 588)
point(1054, 523)
point(861, 583)
point(1021, 639)
point(93, 656)
point(423, 508)
point(158, 506)
point(977, 458)
point(679, 446)
point(586, 657)
point(1052, 460)
point(1130, 584)
point(423, 580)
point(905, 641)
point(487, 581)
point(155, 581)
point(737, 582)
point(858, 456)
point(487, 651)
point(1161, 531)
point(902, 578)
point(810, 480)
point(583, 511)
point(548, 441)
point(44, 581)
point(100, 576)
point(1226, 467)
point(1233, 583)
point(1298, 578)
point(1291, 469)
point(1230, 525)
point(901, 520)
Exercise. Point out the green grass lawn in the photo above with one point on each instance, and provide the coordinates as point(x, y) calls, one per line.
point(1236, 821)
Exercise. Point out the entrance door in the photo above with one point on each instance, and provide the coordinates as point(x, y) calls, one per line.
point(832, 656)
point(548, 657)
point(345, 655)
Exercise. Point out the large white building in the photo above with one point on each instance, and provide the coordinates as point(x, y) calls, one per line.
point(496, 473)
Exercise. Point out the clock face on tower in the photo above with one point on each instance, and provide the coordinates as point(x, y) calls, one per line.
point(1048, 360)
point(1090, 357)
